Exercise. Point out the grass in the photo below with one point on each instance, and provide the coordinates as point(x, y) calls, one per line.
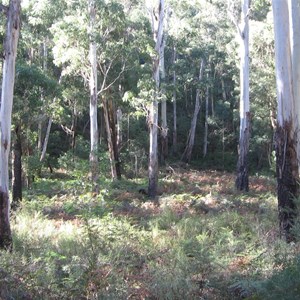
point(204, 241)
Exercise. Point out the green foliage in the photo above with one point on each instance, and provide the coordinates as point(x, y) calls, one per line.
point(69, 243)
point(284, 284)
point(205, 241)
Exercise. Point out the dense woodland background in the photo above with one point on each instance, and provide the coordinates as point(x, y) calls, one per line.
point(52, 79)
point(86, 230)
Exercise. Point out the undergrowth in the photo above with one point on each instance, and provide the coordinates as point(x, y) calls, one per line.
point(205, 241)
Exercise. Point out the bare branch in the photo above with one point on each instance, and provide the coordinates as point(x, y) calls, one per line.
point(66, 130)
point(104, 88)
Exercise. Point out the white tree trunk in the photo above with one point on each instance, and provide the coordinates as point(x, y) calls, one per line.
point(42, 116)
point(187, 154)
point(294, 21)
point(164, 124)
point(286, 17)
point(119, 128)
point(157, 29)
point(93, 99)
point(8, 79)
point(44, 150)
point(242, 180)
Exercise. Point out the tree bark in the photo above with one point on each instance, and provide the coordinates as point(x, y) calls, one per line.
point(111, 132)
point(164, 123)
point(119, 128)
point(174, 105)
point(93, 100)
point(287, 68)
point(8, 79)
point(44, 150)
point(242, 179)
point(17, 167)
point(187, 154)
point(157, 30)
point(287, 179)
point(206, 123)
point(294, 21)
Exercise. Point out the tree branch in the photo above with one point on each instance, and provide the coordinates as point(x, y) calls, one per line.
point(103, 87)
point(233, 19)
point(3, 8)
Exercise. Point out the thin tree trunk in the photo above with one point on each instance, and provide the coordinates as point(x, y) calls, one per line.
point(119, 128)
point(8, 79)
point(174, 106)
point(187, 154)
point(44, 150)
point(206, 122)
point(114, 136)
point(115, 164)
point(286, 138)
point(73, 132)
point(242, 179)
point(40, 133)
point(42, 116)
point(128, 132)
point(93, 100)
point(157, 29)
point(164, 124)
point(17, 167)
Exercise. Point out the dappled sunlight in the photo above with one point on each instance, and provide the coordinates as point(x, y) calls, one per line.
point(202, 240)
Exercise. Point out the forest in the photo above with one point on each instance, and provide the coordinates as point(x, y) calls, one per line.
point(149, 149)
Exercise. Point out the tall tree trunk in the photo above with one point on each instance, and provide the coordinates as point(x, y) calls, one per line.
point(42, 116)
point(17, 167)
point(294, 19)
point(242, 179)
point(119, 128)
point(187, 154)
point(8, 79)
point(157, 29)
point(109, 116)
point(93, 100)
point(174, 105)
point(40, 133)
point(44, 150)
point(206, 122)
point(73, 131)
point(164, 124)
point(287, 68)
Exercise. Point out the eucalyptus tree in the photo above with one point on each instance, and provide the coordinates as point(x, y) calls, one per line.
point(262, 90)
point(187, 154)
point(286, 28)
point(93, 85)
point(242, 180)
point(30, 80)
point(89, 42)
point(36, 42)
point(164, 124)
point(12, 12)
point(157, 15)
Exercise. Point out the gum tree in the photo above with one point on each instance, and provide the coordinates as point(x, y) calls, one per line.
point(90, 43)
point(157, 15)
point(242, 179)
point(8, 78)
point(286, 17)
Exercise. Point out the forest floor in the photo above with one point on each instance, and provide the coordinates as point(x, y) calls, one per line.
point(204, 240)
